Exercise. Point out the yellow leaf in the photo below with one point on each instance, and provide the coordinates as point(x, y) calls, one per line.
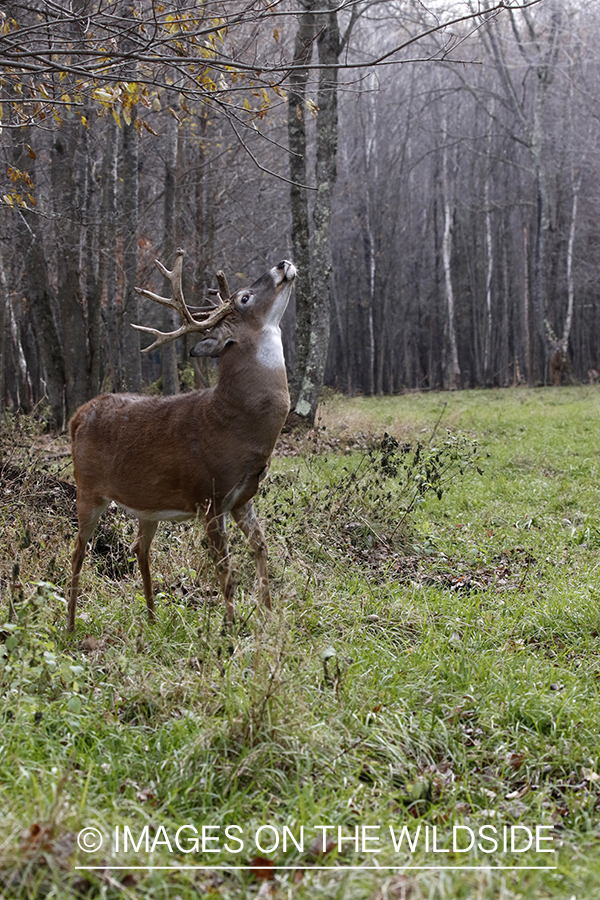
point(127, 113)
point(133, 89)
point(102, 96)
point(8, 200)
point(147, 127)
point(276, 35)
point(84, 122)
point(116, 116)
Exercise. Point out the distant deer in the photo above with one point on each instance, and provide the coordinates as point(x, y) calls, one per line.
point(200, 453)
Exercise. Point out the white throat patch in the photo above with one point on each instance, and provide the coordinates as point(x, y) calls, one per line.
point(270, 349)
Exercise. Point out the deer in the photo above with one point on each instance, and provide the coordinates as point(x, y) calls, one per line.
point(196, 454)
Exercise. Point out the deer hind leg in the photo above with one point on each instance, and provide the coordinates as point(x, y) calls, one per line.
point(217, 539)
point(88, 514)
point(141, 548)
point(247, 521)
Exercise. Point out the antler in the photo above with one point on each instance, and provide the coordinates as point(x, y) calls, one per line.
point(190, 324)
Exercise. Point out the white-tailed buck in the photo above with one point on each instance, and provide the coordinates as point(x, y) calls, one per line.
point(200, 453)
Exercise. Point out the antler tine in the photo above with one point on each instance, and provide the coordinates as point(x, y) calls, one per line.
point(223, 286)
point(175, 277)
point(190, 324)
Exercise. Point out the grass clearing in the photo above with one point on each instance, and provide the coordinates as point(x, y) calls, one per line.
point(435, 674)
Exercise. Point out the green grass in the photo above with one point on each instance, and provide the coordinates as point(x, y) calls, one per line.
point(443, 672)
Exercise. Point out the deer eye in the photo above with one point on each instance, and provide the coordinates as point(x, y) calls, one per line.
point(245, 298)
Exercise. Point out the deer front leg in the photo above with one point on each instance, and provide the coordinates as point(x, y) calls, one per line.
point(247, 521)
point(217, 539)
point(141, 548)
point(88, 513)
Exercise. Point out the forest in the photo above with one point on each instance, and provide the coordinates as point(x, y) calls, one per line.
point(431, 170)
point(426, 660)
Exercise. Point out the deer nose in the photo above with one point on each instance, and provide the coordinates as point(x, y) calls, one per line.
point(281, 265)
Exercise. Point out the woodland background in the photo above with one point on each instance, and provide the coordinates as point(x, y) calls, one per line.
point(440, 201)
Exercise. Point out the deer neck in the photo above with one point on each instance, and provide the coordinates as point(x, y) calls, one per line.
point(253, 382)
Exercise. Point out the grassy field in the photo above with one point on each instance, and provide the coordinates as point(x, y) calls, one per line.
point(432, 664)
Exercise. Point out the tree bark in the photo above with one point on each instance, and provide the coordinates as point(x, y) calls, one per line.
point(328, 44)
point(168, 353)
point(94, 272)
point(570, 284)
point(487, 345)
point(4, 301)
point(452, 373)
point(107, 264)
point(303, 50)
point(40, 296)
point(130, 339)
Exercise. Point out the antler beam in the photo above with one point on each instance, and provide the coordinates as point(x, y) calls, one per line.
point(177, 302)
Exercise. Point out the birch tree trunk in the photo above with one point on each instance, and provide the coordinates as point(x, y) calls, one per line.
point(297, 112)
point(570, 284)
point(452, 373)
point(328, 45)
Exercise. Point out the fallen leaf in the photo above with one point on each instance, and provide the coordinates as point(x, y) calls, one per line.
point(261, 867)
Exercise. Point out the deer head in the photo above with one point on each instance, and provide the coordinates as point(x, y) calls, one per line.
point(257, 308)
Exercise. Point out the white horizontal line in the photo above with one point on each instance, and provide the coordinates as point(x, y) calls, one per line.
point(309, 868)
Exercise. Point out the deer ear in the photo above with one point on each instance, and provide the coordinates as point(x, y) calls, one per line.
point(212, 345)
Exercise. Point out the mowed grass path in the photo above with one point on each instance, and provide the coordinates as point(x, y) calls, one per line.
point(453, 684)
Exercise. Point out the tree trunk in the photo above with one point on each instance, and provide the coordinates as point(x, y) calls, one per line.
point(40, 297)
point(107, 251)
point(303, 50)
point(570, 285)
point(526, 317)
point(4, 301)
point(487, 345)
point(326, 172)
point(452, 372)
point(94, 274)
point(168, 353)
point(130, 339)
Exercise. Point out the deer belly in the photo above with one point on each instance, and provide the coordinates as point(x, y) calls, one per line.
point(160, 515)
